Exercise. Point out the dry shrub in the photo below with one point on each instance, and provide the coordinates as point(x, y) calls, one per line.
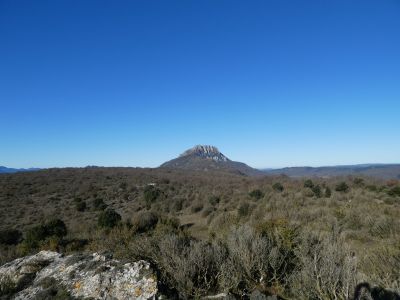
point(327, 268)
point(382, 266)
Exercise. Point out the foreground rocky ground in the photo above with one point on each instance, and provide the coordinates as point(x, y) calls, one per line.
point(49, 275)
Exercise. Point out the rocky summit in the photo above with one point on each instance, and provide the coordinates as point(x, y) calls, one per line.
point(50, 275)
point(209, 158)
point(206, 151)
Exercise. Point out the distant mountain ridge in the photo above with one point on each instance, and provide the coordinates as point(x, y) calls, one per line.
point(4, 170)
point(209, 158)
point(384, 171)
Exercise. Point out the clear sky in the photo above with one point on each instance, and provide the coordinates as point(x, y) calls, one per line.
point(134, 83)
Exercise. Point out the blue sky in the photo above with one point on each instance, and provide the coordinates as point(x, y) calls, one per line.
point(134, 83)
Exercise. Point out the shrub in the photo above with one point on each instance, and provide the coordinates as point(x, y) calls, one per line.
point(317, 191)
point(151, 194)
point(123, 185)
point(308, 184)
point(278, 187)
point(342, 187)
point(196, 207)
point(145, 221)
point(80, 206)
point(178, 205)
point(99, 204)
point(395, 191)
point(55, 229)
point(256, 194)
point(214, 200)
point(326, 269)
point(328, 192)
point(372, 188)
point(243, 209)
point(10, 237)
point(358, 181)
point(108, 218)
point(7, 287)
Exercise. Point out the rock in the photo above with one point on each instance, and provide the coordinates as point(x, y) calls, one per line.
point(49, 274)
point(221, 296)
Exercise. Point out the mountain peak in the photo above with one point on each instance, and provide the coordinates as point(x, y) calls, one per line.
point(208, 158)
point(205, 151)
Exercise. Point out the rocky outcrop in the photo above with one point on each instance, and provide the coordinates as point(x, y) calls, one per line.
point(49, 275)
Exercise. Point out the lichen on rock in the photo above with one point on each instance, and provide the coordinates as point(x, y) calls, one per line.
point(79, 276)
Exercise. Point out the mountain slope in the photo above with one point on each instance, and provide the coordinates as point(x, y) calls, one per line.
point(207, 158)
point(4, 170)
point(373, 170)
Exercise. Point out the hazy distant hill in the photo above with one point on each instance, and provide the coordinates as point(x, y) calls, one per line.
point(208, 158)
point(12, 170)
point(374, 170)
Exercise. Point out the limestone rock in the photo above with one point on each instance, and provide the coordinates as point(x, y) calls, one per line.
point(80, 276)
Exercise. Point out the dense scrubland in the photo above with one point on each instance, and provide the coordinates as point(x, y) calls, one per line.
point(210, 232)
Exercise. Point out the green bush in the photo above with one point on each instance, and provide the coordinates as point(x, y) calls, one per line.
point(108, 218)
point(317, 191)
point(308, 184)
point(178, 205)
point(10, 237)
point(395, 191)
point(55, 229)
point(342, 187)
point(151, 194)
point(256, 194)
point(372, 188)
point(243, 209)
point(358, 181)
point(278, 187)
point(214, 200)
point(99, 204)
point(80, 206)
point(328, 192)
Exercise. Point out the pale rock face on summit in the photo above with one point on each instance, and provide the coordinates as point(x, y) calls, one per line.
point(210, 152)
point(209, 158)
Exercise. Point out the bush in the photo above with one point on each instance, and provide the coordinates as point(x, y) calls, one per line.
point(326, 269)
point(395, 191)
point(54, 229)
point(372, 188)
point(80, 206)
point(342, 187)
point(196, 207)
point(278, 187)
point(256, 194)
point(328, 192)
point(108, 218)
point(10, 237)
point(7, 287)
point(146, 221)
point(99, 204)
point(358, 181)
point(317, 191)
point(308, 184)
point(151, 194)
point(243, 209)
point(214, 200)
point(178, 205)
